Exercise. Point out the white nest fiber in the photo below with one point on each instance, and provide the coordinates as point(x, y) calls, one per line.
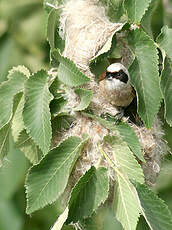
point(85, 28)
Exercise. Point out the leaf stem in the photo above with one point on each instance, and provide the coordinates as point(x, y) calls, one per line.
point(111, 163)
point(105, 156)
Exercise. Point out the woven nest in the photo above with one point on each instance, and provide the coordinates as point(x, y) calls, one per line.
point(85, 29)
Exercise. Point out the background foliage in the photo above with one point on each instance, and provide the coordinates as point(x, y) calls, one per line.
point(23, 41)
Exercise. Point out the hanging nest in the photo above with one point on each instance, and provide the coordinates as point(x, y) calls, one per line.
point(85, 29)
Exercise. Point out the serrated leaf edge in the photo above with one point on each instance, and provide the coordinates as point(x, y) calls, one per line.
point(19, 91)
point(133, 193)
point(112, 129)
point(125, 10)
point(90, 94)
point(28, 130)
point(134, 161)
point(21, 69)
point(156, 64)
point(27, 186)
point(156, 198)
point(74, 66)
point(101, 202)
point(165, 115)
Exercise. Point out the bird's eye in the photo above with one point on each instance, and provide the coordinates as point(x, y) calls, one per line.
point(109, 75)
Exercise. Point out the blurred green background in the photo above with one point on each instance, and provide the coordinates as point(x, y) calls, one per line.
point(23, 42)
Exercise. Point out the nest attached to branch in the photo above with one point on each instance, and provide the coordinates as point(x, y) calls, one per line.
point(86, 29)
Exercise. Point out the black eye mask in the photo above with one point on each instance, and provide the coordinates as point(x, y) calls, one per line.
point(121, 75)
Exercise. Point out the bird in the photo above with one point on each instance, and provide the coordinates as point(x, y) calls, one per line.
point(115, 86)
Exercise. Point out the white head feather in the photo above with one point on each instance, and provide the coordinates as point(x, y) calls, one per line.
point(116, 67)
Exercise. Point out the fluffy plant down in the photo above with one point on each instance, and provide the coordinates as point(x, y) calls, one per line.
point(85, 29)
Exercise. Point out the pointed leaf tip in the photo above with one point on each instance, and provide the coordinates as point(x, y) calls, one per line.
point(68, 72)
point(165, 42)
point(166, 86)
point(126, 205)
point(8, 90)
point(90, 191)
point(85, 98)
point(135, 9)
point(47, 180)
point(145, 76)
point(155, 211)
point(36, 113)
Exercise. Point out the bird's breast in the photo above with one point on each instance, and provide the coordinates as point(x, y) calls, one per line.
point(117, 93)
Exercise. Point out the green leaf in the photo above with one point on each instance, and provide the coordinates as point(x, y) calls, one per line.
point(125, 131)
point(36, 114)
point(61, 220)
point(17, 124)
point(47, 180)
point(85, 98)
point(52, 30)
point(154, 209)
point(99, 66)
point(6, 130)
point(28, 147)
point(135, 9)
point(55, 89)
point(144, 76)
point(126, 205)
point(114, 9)
point(57, 105)
point(4, 141)
point(102, 219)
point(54, 58)
point(165, 42)
point(128, 135)
point(124, 159)
point(158, 17)
point(8, 90)
point(87, 195)
point(61, 124)
point(20, 68)
point(68, 72)
point(146, 21)
point(52, 27)
point(166, 86)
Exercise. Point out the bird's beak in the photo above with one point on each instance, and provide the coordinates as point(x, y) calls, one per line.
point(102, 76)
